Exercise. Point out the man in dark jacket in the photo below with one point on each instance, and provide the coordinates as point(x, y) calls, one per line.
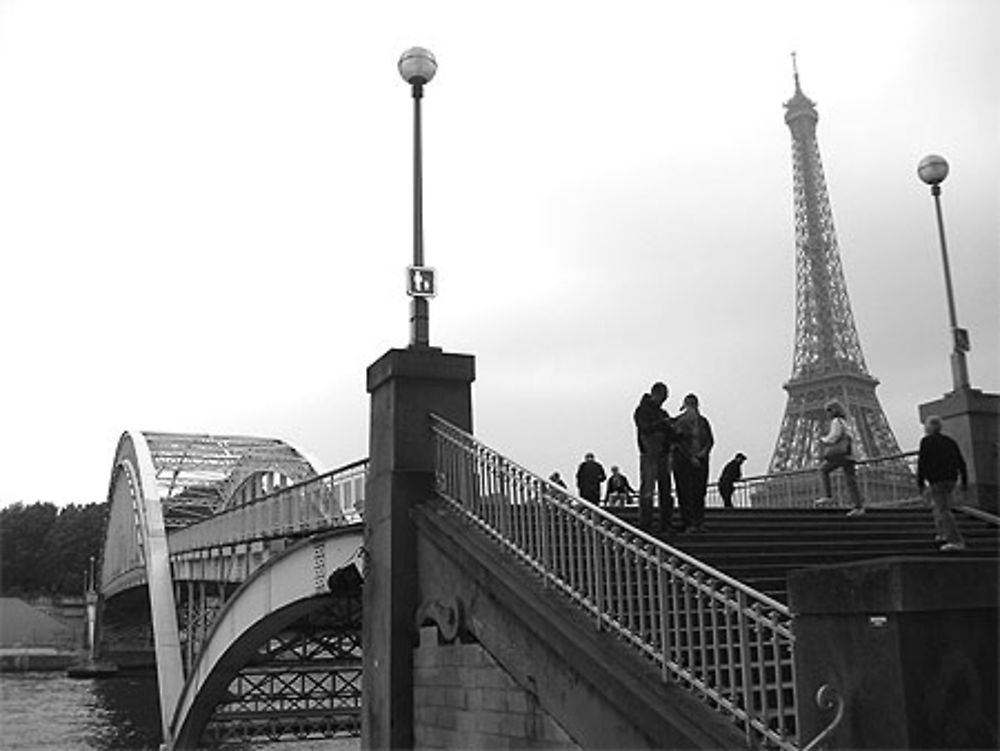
point(589, 476)
point(654, 435)
point(940, 465)
point(731, 474)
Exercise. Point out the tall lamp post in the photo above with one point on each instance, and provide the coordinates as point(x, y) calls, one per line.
point(417, 66)
point(933, 169)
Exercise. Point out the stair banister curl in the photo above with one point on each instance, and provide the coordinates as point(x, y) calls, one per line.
point(827, 697)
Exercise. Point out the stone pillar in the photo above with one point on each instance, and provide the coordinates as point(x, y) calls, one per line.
point(909, 643)
point(406, 386)
point(972, 418)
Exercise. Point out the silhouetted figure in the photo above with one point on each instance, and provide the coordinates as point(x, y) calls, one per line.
point(556, 479)
point(691, 452)
point(940, 465)
point(838, 453)
point(731, 474)
point(617, 491)
point(589, 476)
point(654, 435)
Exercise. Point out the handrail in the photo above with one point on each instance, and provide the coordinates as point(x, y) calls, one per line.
point(978, 513)
point(332, 499)
point(892, 479)
point(708, 632)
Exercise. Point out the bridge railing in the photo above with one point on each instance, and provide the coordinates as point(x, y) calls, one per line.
point(328, 500)
point(883, 481)
point(708, 632)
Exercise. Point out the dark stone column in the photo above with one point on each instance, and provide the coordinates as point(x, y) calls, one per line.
point(406, 386)
point(972, 418)
point(909, 643)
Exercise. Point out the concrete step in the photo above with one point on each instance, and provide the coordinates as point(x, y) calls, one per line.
point(761, 546)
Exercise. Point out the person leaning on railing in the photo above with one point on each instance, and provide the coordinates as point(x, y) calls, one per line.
point(731, 474)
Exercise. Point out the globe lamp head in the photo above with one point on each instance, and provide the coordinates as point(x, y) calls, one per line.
point(933, 169)
point(417, 66)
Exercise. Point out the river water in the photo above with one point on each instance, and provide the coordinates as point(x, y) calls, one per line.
point(48, 711)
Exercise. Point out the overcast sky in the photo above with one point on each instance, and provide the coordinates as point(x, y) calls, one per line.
point(205, 216)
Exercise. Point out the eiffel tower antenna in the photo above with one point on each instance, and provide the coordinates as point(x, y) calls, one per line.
point(827, 361)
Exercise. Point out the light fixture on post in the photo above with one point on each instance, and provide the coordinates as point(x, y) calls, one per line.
point(417, 66)
point(933, 169)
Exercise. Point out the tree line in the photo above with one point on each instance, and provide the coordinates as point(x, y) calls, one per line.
point(46, 550)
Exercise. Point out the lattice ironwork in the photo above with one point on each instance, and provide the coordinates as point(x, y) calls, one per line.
point(302, 683)
point(828, 362)
point(196, 474)
point(198, 604)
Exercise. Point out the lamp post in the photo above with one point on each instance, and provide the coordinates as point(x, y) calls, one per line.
point(417, 66)
point(933, 169)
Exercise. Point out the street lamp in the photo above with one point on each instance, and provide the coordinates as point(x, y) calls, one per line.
point(933, 169)
point(417, 66)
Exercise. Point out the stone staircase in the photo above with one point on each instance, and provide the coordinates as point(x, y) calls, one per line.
point(762, 546)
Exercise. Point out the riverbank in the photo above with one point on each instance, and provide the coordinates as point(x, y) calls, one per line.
point(29, 659)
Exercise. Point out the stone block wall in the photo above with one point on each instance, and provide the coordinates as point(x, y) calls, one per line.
point(463, 699)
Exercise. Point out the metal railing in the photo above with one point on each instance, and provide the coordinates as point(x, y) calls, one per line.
point(328, 500)
point(708, 632)
point(884, 482)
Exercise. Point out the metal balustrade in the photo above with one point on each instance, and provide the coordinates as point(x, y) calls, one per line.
point(884, 482)
point(708, 632)
point(328, 500)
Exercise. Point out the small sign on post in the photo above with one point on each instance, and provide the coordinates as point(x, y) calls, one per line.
point(420, 281)
point(961, 337)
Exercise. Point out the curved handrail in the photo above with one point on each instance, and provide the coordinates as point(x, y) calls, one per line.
point(827, 697)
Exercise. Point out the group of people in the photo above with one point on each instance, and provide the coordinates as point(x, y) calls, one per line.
point(589, 476)
point(674, 455)
point(679, 446)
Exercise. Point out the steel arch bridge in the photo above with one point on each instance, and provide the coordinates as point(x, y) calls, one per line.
point(235, 568)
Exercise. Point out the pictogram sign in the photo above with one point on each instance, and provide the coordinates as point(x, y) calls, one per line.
point(420, 281)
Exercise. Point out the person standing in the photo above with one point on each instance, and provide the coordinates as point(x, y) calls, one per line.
point(731, 474)
point(556, 479)
point(654, 435)
point(589, 476)
point(838, 453)
point(618, 490)
point(940, 465)
point(694, 443)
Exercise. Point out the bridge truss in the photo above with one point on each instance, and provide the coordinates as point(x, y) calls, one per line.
point(302, 683)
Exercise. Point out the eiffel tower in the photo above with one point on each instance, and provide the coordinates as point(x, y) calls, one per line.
point(828, 362)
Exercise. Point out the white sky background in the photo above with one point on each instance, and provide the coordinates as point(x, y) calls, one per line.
point(205, 216)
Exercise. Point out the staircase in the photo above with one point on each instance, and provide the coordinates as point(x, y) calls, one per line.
point(760, 547)
point(708, 611)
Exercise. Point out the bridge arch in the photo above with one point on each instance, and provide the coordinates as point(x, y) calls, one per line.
point(287, 588)
point(136, 553)
point(162, 482)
